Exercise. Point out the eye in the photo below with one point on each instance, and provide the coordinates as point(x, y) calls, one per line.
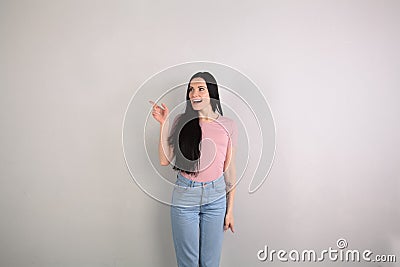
point(202, 89)
point(190, 89)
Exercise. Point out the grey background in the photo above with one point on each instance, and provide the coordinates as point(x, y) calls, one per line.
point(329, 70)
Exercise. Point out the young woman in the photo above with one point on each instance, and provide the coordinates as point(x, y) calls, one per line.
point(203, 144)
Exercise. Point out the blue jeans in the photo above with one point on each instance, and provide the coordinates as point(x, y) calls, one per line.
point(197, 219)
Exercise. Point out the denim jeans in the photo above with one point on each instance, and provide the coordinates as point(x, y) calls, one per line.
point(197, 219)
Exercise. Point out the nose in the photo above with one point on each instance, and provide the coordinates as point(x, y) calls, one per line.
point(194, 93)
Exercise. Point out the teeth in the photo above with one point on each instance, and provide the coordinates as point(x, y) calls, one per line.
point(197, 100)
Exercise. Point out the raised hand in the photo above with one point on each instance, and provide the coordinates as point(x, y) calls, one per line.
point(160, 114)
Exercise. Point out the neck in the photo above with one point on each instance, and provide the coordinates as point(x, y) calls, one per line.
point(207, 114)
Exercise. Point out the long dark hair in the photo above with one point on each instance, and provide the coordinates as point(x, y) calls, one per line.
point(186, 132)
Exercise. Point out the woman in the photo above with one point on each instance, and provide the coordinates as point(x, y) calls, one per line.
point(203, 144)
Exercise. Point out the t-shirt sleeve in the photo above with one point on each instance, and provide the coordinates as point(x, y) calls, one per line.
point(233, 134)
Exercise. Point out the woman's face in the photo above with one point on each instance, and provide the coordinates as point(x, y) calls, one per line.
point(198, 94)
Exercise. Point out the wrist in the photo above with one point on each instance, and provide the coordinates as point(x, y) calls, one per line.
point(163, 124)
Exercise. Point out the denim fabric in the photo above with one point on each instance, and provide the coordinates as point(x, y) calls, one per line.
point(197, 219)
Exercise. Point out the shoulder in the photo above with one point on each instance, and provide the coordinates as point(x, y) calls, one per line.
point(225, 119)
point(229, 123)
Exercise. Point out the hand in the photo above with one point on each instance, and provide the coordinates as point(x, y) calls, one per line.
point(228, 222)
point(159, 113)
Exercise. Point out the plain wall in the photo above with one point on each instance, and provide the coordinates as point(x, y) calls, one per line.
point(329, 70)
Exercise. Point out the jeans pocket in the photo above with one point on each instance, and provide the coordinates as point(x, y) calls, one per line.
point(181, 187)
point(220, 187)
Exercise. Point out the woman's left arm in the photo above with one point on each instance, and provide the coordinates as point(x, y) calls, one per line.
point(230, 180)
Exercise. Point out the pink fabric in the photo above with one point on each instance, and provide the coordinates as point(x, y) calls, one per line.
point(217, 136)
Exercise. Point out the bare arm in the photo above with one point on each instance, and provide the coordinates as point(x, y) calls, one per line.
point(230, 180)
point(165, 151)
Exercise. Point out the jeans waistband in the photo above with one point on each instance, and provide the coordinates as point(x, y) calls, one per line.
point(192, 183)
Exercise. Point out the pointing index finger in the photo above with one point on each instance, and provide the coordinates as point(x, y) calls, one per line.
point(155, 105)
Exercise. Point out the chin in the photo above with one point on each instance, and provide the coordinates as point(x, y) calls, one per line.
point(196, 108)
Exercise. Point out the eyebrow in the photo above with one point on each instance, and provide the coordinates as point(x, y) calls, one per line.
point(201, 86)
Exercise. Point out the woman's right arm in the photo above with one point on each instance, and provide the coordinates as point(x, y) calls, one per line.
point(165, 151)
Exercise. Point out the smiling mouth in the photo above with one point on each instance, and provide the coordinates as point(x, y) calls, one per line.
point(196, 101)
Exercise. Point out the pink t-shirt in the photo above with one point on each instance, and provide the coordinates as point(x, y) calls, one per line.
point(217, 136)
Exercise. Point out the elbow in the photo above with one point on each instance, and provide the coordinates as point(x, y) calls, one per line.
point(230, 173)
point(164, 163)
